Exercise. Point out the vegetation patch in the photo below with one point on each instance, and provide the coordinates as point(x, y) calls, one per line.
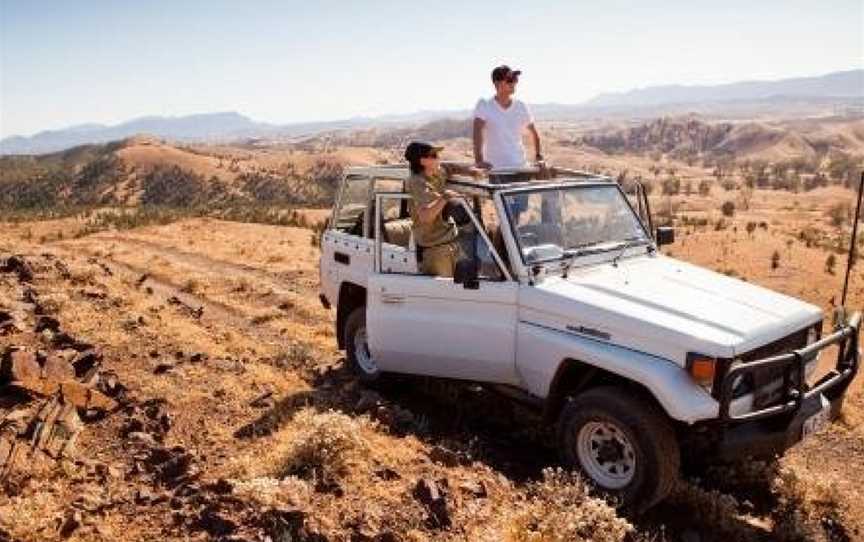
point(560, 509)
point(327, 446)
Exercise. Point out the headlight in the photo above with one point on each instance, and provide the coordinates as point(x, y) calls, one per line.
point(813, 333)
point(742, 385)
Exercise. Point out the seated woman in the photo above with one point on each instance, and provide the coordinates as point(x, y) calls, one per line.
point(435, 238)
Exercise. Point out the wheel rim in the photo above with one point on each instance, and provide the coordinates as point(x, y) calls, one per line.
point(606, 454)
point(362, 354)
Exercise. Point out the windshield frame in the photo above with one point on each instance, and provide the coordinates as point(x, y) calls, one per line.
point(563, 186)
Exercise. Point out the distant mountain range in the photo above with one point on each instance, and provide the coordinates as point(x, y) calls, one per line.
point(227, 126)
point(838, 84)
point(743, 98)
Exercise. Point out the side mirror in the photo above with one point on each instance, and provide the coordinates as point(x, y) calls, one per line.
point(466, 274)
point(665, 235)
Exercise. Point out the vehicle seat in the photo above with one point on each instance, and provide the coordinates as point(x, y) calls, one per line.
point(398, 232)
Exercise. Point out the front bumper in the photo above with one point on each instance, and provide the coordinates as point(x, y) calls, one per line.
point(767, 438)
point(773, 429)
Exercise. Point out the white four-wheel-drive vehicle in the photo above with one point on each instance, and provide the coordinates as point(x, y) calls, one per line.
point(565, 302)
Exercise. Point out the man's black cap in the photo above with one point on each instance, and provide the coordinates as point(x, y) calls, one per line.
point(503, 72)
point(420, 149)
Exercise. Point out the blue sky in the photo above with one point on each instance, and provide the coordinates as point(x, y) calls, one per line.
point(70, 62)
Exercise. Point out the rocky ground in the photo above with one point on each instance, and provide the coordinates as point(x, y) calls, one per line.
point(181, 382)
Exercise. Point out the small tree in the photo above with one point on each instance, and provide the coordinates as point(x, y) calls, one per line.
point(839, 214)
point(751, 227)
point(671, 186)
point(704, 187)
point(775, 260)
point(830, 262)
point(728, 208)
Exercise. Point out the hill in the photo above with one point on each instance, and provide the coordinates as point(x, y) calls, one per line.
point(398, 137)
point(145, 169)
point(690, 136)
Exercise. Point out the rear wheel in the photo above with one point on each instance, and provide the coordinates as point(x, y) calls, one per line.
point(622, 443)
point(360, 359)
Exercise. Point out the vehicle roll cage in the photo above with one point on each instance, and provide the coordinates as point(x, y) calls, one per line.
point(502, 181)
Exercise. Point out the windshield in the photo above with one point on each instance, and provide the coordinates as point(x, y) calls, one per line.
point(553, 223)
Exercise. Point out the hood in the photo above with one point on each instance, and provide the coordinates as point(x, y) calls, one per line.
point(666, 307)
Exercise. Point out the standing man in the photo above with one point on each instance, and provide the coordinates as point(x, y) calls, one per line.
point(435, 238)
point(499, 123)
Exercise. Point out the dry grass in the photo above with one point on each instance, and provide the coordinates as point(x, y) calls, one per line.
point(809, 509)
point(560, 509)
point(327, 446)
point(269, 491)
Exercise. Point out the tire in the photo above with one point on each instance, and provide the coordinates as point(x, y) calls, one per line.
point(623, 444)
point(357, 349)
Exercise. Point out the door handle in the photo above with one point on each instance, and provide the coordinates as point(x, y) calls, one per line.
point(342, 258)
point(392, 298)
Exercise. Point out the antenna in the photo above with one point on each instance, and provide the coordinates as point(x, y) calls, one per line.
point(851, 258)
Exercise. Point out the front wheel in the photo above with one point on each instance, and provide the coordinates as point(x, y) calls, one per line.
point(360, 359)
point(622, 443)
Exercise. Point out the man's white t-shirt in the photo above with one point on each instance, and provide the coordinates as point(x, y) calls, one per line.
point(504, 127)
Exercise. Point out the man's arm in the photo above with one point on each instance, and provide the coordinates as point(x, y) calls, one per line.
point(538, 155)
point(478, 144)
point(451, 168)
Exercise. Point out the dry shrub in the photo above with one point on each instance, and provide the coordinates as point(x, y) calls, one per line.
point(85, 277)
point(295, 355)
point(266, 491)
point(560, 509)
point(260, 319)
point(807, 510)
point(327, 445)
point(242, 285)
point(53, 303)
point(191, 286)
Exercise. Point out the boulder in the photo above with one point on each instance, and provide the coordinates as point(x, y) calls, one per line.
point(433, 496)
point(18, 365)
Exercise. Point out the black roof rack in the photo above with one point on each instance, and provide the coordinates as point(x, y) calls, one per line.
point(506, 178)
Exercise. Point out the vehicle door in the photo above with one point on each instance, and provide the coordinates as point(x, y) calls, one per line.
point(420, 324)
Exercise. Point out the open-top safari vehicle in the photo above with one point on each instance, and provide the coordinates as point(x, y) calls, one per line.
point(564, 302)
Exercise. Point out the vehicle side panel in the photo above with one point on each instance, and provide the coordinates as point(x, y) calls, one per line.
point(431, 326)
point(348, 258)
point(541, 349)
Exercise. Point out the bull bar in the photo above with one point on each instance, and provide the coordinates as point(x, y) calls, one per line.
point(795, 391)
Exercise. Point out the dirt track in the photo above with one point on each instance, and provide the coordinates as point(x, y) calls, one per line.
point(237, 356)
